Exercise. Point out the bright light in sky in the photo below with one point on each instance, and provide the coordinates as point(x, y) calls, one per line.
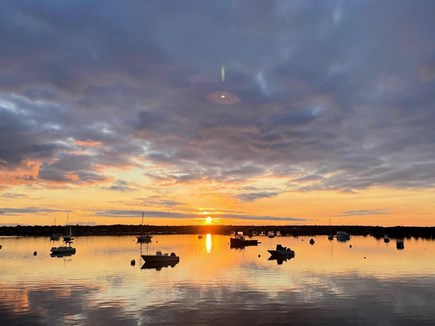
point(208, 220)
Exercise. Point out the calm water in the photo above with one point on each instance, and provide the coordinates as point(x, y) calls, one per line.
point(326, 283)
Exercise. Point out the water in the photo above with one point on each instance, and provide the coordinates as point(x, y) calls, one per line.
point(326, 283)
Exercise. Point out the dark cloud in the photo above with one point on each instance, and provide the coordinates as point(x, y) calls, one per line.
point(137, 213)
point(252, 196)
point(28, 210)
point(363, 212)
point(120, 185)
point(342, 91)
point(166, 214)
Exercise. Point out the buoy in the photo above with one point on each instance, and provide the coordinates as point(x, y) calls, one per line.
point(133, 262)
point(35, 253)
point(259, 255)
point(350, 246)
point(311, 241)
point(364, 257)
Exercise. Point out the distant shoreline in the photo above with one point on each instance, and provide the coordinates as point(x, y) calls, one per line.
point(290, 230)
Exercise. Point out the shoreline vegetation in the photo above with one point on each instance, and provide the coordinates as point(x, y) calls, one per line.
point(289, 230)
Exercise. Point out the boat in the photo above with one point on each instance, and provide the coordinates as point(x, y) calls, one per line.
point(68, 237)
point(400, 244)
point(386, 239)
point(200, 236)
point(55, 236)
point(65, 250)
point(271, 234)
point(331, 237)
point(239, 241)
point(342, 236)
point(160, 258)
point(311, 241)
point(144, 238)
point(282, 252)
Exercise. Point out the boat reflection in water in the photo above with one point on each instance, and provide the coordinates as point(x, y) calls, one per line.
point(280, 260)
point(62, 254)
point(158, 265)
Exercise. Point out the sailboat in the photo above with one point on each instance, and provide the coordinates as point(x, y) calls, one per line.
point(55, 236)
point(66, 249)
point(144, 238)
point(68, 237)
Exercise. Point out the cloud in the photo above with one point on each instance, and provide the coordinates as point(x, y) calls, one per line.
point(28, 210)
point(120, 185)
point(326, 89)
point(10, 195)
point(364, 212)
point(138, 213)
point(252, 196)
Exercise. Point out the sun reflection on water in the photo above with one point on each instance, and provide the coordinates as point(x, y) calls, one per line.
point(208, 243)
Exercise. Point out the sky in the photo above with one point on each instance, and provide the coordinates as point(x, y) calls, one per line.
point(246, 112)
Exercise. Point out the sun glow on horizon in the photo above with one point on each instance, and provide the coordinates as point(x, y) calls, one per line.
point(208, 220)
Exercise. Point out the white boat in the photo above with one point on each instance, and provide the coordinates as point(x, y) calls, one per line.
point(281, 251)
point(159, 257)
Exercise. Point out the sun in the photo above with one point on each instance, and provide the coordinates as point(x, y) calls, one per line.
point(208, 220)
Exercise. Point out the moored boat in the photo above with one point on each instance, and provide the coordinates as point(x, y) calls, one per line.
point(239, 241)
point(159, 257)
point(55, 237)
point(400, 244)
point(342, 236)
point(65, 250)
point(146, 237)
point(281, 251)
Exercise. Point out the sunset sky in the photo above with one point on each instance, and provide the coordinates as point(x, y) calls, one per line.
point(249, 112)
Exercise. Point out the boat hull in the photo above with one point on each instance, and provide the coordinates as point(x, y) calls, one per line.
point(144, 238)
point(63, 250)
point(160, 259)
point(240, 243)
point(282, 253)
